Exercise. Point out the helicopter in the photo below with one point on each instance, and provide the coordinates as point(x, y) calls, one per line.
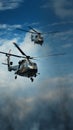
point(25, 67)
point(37, 37)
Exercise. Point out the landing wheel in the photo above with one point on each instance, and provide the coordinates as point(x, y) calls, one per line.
point(16, 77)
point(32, 79)
point(35, 75)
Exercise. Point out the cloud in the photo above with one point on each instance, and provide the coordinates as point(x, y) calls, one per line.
point(42, 107)
point(62, 8)
point(8, 5)
point(6, 26)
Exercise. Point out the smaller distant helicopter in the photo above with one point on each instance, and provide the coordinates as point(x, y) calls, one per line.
point(36, 36)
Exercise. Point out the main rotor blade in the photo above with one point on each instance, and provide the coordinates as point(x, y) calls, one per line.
point(34, 58)
point(50, 32)
point(28, 57)
point(34, 30)
point(12, 55)
point(56, 54)
point(24, 30)
point(19, 49)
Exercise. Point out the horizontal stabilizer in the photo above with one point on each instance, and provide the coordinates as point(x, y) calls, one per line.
point(4, 63)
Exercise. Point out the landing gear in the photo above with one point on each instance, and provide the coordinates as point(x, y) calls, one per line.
point(15, 76)
point(35, 75)
point(31, 79)
point(11, 63)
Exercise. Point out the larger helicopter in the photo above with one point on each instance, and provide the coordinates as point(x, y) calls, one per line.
point(25, 67)
point(37, 37)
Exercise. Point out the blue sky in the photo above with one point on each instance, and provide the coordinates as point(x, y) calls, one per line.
point(56, 73)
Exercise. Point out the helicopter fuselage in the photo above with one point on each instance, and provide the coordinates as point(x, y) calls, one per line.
point(25, 69)
point(38, 39)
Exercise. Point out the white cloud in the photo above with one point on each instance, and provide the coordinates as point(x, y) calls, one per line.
point(52, 88)
point(7, 5)
point(6, 26)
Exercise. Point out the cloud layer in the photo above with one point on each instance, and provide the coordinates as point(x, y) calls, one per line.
point(8, 5)
point(48, 106)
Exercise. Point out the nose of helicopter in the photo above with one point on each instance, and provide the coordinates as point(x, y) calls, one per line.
point(33, 66)
point(33, 70)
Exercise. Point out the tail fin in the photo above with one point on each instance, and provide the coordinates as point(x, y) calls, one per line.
point(8, 61)
point(4, 63)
